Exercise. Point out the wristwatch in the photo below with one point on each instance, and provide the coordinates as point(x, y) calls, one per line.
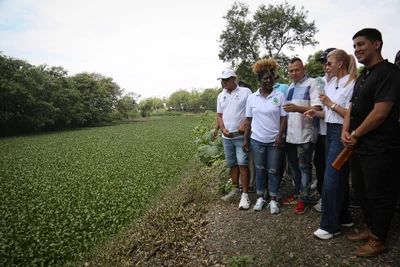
point(353, 134)
point(333, 107)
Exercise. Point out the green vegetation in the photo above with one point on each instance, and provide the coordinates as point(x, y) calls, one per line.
point(314, 68)
point(64, 193)
point(168, 231)
point(265, 33)
point(209, 149)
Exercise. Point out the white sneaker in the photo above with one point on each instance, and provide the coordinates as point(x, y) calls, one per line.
point(314, 185)
point(318, 207)
point(232, 194)
point(273, 207)
point(244, 202)
point(322, 234)
point(260, 204)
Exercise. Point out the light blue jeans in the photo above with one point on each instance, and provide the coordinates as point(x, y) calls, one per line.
point(267, 160)
point(234, 154)
point(300, 163)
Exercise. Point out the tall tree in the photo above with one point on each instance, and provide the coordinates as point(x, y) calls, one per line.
point(314, 68)
point(194, 101)
point(97, 100)
point(268, 33)
point(68, 110)
point(208, 98)
point(179, 100)
point(23, 98)
point(127, 105)
point(147, 105)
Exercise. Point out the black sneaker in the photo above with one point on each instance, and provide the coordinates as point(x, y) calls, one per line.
point(314, 198)
point(354, 203)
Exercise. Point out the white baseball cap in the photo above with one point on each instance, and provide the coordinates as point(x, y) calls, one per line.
point(227, 74)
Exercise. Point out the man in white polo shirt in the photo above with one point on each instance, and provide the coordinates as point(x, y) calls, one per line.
point(231, 115)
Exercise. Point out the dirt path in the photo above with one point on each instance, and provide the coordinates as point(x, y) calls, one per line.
point(286, 239)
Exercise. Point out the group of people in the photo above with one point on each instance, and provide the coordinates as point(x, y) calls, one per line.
point(320, 117)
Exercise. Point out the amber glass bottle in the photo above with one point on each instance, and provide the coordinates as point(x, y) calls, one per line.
point(342, 158)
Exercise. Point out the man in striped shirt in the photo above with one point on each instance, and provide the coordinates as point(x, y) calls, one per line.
point(302, 133)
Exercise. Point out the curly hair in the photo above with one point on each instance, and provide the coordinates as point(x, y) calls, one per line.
point(265, 64)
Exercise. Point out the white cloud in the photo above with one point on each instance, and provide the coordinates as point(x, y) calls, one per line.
point(154, 48)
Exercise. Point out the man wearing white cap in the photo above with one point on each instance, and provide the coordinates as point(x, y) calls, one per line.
point(231, 114)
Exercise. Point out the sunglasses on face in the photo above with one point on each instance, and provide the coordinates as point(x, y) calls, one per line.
point(225, 80)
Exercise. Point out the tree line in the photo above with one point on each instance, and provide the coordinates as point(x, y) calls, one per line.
point(40, 98)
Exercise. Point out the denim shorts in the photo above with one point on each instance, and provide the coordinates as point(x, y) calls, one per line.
point(234, 154)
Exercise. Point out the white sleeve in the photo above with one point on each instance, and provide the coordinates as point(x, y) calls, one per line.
point(249, 112)
point(314, 97)
point(219, 108)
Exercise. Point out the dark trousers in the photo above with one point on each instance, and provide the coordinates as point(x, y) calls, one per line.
point(319, 162)
point(375, 181)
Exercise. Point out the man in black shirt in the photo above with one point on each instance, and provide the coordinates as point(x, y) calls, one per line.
point(371, 127)
point(397, 63)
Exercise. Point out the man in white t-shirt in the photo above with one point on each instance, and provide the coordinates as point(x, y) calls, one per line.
point(231, 114)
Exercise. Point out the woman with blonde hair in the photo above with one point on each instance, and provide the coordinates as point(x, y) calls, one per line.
point(335, 189)
point(266, 122)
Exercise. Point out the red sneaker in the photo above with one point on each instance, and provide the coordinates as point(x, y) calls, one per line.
point(292, 199)
point(300, 208)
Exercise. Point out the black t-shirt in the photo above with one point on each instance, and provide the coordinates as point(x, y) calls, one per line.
point(382, 83)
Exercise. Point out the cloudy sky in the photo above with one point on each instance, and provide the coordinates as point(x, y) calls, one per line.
point(156, 47)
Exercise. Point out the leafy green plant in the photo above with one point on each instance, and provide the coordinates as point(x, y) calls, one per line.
point(64, 193)
point(245, 260)
point(209, 149)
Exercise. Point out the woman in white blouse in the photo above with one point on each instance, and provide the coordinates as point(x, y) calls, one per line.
point(335, 190)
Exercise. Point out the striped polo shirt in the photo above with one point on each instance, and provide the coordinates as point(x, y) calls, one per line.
point(300, 129)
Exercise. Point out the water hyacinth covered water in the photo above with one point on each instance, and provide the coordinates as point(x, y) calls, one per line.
point(62, 193)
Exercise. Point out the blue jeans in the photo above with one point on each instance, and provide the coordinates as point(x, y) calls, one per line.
point(335, 190)
point(300, 164)
point(267, 161)
point(234, 154)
